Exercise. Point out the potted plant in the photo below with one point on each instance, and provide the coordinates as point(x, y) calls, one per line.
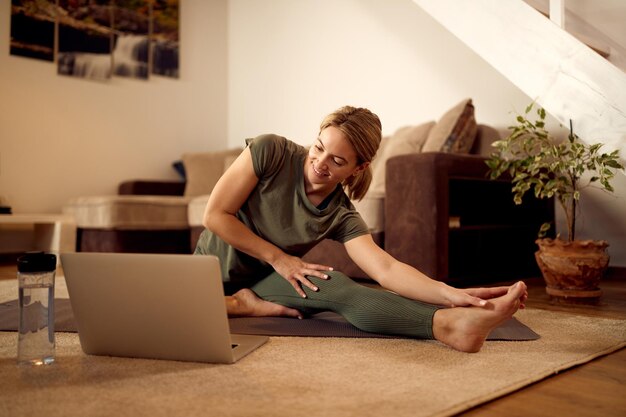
point(536, 161)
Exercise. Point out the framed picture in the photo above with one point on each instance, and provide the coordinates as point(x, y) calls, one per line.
point(131, 38)
point(32, 29)
point(98, 39)
point(165, 37)
point(85, 37)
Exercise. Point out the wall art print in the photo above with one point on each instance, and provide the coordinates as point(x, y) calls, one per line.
point(32, 29)
point(98, 39)
point(131, 46)
point(165, 38)
point(85, 38)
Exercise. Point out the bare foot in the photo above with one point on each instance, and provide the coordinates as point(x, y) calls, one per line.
point(246, 303)
point(466, 328)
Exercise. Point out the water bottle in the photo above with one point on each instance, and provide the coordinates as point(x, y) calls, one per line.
point(35, 275)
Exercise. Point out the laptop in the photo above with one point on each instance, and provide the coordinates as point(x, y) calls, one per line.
point(152, 306)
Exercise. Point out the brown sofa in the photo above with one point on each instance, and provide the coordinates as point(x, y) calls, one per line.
point(440, 212)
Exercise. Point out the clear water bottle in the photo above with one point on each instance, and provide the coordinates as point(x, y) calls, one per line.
point(35, 275)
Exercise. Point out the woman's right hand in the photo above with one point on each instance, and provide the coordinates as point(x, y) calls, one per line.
point(295, 270)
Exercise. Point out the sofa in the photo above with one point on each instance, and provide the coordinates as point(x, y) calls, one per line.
point(150, 216)
point(430, 205)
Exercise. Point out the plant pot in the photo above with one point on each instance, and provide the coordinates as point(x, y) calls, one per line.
point(572, 270)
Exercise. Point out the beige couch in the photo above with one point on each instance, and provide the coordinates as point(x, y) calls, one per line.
point(146, 215)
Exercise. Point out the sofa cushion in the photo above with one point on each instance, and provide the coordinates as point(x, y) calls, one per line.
point(408, 139)
point(129, 212)
point(371, 209)
point(179, 167)
point(455, 131)
point(485, 137)
point(203, 169)
point(195, 210)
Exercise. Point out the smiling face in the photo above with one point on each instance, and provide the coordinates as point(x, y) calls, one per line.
point(330, 161)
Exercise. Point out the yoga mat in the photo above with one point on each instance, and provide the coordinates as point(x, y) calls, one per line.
point(326, 324)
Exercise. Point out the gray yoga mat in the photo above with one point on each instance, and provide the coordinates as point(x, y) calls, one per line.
point(325, 324)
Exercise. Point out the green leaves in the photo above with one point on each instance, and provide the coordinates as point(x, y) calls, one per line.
point(542, 113)
point(543, 230)
point(529, 108)
point(536, 161)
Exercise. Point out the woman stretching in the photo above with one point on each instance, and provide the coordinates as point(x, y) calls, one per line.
point(278, 200)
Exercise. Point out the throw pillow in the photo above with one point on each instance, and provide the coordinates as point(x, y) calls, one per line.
point(180, 169)
point(455, 131)
point(408, 139)
point(203, 169)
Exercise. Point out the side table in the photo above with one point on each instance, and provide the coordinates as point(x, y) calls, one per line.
point(54, 233)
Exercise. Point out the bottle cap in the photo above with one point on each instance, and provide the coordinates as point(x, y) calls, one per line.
point(37, 262)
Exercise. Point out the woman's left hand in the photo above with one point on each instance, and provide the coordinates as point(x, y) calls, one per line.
point(478, 296)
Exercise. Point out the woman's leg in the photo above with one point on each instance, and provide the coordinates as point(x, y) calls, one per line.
point(242, 302)
point(369, 309)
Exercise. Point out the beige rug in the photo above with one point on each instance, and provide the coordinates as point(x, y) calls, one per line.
point(304, 376)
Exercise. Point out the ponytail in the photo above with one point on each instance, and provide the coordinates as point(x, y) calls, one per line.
point(357, 185)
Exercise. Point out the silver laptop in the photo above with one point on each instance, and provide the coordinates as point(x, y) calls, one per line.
point(152, 306)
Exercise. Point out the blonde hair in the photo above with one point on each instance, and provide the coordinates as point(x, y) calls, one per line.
point(363, 130)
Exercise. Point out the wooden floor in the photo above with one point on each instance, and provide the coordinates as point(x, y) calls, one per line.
point(597, 388)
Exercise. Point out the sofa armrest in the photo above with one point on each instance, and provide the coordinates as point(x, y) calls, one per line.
point(445, 217)
point(416, 205)
point(151, 187)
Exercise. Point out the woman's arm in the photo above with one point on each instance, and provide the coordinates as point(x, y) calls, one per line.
point(229, 194)
point(407, 281)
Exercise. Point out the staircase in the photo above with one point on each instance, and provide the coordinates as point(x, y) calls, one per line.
point(565, 76)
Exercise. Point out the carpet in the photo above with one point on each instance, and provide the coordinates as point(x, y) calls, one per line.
point(305, 376)
point(326, 324)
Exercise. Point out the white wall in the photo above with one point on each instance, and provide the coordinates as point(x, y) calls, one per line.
point(293, 61)
point(63, 137)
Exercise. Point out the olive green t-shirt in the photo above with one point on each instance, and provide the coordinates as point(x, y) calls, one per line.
point(279, 211)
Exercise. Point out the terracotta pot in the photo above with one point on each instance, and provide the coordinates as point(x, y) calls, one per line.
point(572, 270)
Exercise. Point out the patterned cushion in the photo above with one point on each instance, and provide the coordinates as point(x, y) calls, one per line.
point(455, 131)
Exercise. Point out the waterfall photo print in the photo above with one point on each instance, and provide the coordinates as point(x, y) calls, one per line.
point(99, 39)
point(131, 45)
point(85, 38)
point(32, 29)
point(165, 38)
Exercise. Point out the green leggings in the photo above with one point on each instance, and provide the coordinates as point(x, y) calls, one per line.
point(369, 309)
